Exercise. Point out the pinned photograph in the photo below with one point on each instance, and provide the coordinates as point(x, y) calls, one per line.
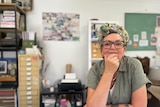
point(3, 67)
point(158, 21)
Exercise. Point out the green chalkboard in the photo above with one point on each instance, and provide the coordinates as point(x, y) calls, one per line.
point(142, 30)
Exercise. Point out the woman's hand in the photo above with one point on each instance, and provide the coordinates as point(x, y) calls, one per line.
point(111, 63)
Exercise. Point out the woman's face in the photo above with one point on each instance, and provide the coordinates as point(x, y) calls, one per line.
point(113, 44)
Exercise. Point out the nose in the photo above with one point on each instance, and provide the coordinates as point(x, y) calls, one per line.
point(113, 46)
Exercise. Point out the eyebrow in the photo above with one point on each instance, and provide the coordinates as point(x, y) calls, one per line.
point(113, 41)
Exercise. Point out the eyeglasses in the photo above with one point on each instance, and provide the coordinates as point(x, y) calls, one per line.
point(117, 44)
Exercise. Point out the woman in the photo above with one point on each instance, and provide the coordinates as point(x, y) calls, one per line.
point(117, 80)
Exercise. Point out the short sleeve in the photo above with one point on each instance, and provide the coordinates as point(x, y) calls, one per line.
point(92, 78)
point(139, 78)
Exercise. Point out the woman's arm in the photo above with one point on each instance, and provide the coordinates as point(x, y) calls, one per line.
point(98, 97)
point(139, 99)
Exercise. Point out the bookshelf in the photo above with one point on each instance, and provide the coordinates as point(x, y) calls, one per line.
point(12, 24)
point(94, 53)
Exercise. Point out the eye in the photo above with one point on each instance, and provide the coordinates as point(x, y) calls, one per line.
point(118, 43)
point(107, 44)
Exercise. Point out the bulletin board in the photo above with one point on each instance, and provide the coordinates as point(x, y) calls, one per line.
point(142, 28)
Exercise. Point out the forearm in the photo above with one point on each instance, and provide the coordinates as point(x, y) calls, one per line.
point(100, 95)
point(120, 105)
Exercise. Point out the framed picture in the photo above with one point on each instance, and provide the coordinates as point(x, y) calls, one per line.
point(3, 66)
point(25, 4)
point(12, 66)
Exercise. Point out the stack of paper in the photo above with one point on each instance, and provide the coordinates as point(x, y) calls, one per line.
point(70, 78)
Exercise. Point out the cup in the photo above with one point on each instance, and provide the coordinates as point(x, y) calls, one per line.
point(68, 68)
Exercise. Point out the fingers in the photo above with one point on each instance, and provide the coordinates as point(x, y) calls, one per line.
point(111, 62)
point(111, 57)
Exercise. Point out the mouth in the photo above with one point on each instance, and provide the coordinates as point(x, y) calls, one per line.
point(112, 53)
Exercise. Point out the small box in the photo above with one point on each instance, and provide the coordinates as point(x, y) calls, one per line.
point(28, 43)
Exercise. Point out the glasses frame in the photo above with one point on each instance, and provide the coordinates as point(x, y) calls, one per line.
point(114, 43)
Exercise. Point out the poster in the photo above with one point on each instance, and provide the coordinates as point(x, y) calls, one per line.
point(60, 26)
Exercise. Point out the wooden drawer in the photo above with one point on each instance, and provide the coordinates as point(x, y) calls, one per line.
point(33, 97)
point(26, 77)
point(29, 73)
point(29, 78)
point(28, 69)
point(28, 88)
point(28, 58)
point(29, 83)
point(33, 105)
point(30, 102)
point(28, 64)
point(29, 93)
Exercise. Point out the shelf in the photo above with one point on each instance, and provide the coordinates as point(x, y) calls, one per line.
point(11, 6)
point(9, 48)
point(94, 52)
point(7, 79)
point(12, 30)
point(94, 39)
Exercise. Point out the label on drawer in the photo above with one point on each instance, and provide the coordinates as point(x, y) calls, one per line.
point(28, 78)
point(29, 97)
point(28, 63)
point(28, 83)
point(28, 69)
point(28, 59)
point(29, 73)
point(29, 93)
point(29, 88)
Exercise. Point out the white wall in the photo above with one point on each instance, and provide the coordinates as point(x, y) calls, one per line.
point(58, 54)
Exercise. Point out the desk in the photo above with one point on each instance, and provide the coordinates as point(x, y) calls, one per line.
point(56, 93)
point(155, 96)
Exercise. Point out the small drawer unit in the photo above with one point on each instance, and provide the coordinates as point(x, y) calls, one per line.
point(7, 98)
point(29, 80)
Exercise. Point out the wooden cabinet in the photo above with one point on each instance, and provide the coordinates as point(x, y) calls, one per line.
point(145, 63)
point(29, 80)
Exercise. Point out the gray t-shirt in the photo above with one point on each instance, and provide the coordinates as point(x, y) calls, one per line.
point(130, 77)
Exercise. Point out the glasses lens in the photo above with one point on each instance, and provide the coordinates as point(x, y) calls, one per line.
point(117, 44)
point(107, 44)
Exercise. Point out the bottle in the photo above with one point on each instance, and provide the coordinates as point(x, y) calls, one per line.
point(63, 101)
point(57, 104)
point(72, 102)
point(78, 101)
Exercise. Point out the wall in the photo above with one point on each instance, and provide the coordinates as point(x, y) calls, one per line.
point(58, 54)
